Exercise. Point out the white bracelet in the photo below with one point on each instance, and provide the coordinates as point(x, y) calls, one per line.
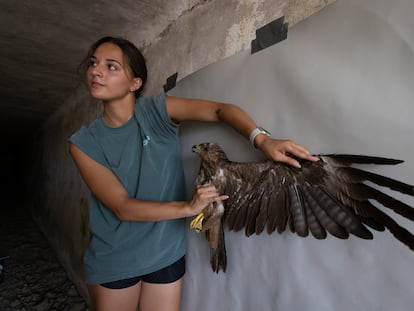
point(257, 131)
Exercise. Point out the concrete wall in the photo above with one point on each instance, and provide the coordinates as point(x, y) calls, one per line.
point(210, 31)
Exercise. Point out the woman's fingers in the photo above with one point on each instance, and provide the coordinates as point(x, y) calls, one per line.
point(285, 151)
point(204, 195)
point(209, 193)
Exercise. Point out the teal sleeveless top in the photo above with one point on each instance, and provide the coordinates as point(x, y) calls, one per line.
point(144, 153)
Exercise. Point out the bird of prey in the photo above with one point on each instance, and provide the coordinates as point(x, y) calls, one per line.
point(328, 196)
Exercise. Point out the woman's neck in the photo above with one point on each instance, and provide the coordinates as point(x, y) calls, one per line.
point(117, 113)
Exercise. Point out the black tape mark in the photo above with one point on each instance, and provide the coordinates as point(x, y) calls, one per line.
point(171, 82)
point(270, 34)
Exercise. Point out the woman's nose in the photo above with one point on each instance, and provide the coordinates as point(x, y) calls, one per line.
point(96, 71)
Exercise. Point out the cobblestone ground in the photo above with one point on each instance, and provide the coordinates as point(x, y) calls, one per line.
point(33, 277)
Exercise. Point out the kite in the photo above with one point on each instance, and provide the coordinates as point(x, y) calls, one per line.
point(330, 196)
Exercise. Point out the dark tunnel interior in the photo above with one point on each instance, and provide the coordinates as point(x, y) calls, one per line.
point(14, 176)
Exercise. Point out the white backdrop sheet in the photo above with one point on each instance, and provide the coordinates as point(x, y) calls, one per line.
point(342, 82)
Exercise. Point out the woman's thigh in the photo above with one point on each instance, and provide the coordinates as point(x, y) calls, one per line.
point(106, 299)
point(155, 297)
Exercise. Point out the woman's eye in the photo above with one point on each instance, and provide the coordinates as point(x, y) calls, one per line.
point(111, 67)
point(92, 63)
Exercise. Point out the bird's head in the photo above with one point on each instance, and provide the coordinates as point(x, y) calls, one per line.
point(209, 151)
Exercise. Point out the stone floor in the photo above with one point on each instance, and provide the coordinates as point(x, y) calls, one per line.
point(33, 277)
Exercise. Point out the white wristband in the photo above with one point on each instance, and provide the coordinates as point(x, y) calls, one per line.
point(257, 131)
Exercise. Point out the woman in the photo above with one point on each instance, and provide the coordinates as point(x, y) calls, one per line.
point(130, 160)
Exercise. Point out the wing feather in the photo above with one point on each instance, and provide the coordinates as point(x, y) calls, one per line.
point(253, 212)
point(349, 220)
point(399, 232)
point(262, 214)
point(278, 214)
point(315, 227)
point(349, 159)
point(236, 210)
point(321, 206)
point(241, 216)
point(388, 201)
point(355, 175)
point(297, 210)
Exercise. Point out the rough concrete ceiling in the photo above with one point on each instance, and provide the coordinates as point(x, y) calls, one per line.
point(41, 43)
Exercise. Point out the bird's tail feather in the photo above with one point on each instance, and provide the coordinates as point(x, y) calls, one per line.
point(218, 256)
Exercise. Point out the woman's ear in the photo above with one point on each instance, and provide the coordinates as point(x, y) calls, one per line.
point(135, 84)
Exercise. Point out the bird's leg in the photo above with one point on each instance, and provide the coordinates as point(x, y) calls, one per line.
point(197, 222)
point(209, 217)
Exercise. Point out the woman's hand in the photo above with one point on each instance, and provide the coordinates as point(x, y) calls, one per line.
point(202, 196)
point(283, 150)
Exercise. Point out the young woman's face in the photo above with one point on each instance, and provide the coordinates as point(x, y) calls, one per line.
point(109, 76)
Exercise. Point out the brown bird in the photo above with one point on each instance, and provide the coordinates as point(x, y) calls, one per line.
point(327, 196)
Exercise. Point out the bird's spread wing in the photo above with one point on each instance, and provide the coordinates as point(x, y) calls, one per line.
point(328, 196)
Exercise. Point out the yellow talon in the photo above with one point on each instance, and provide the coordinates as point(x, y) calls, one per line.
point(197, 223)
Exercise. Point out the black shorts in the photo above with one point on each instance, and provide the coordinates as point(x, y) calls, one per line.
point(165, 275)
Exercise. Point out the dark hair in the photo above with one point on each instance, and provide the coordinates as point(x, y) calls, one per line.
point(135, 59)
